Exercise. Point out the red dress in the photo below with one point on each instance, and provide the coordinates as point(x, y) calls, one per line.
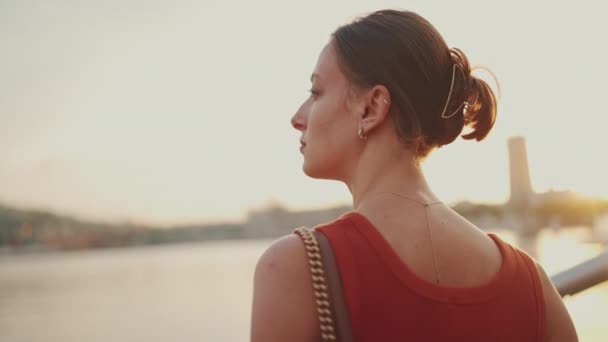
point(386, 301)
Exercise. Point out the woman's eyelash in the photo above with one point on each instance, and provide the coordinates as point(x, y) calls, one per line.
point(313, 92)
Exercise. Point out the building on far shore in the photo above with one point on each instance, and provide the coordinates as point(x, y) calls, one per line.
point(526, 210)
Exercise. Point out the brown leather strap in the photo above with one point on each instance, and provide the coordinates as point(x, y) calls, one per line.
point(334, 284)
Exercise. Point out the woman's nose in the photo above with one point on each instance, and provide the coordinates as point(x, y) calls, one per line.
point(296, 123)
point(297, 120)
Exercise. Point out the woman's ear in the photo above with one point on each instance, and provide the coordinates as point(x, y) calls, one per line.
point(377, 107)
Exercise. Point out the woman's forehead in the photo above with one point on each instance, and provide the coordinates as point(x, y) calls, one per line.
point(327, 68)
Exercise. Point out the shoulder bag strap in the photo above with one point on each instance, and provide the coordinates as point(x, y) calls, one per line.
point(327, 286)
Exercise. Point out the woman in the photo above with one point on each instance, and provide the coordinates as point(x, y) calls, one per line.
point(386, 91)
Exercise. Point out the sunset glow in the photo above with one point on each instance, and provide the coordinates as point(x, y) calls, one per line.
point(173, 113)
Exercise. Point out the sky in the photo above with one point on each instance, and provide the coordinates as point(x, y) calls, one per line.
point(171, 112)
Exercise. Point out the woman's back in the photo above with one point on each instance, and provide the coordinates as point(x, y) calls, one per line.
point(434, 241)
point(392, 296)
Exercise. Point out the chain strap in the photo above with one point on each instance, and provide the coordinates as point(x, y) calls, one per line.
point(318, 282)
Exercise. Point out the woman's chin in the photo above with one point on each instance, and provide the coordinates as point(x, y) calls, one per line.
point(310, 170)
point(307, 169)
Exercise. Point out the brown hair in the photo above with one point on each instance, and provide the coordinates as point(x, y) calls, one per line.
point(405, 53)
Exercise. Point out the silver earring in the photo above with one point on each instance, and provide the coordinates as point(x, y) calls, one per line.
point(385, 100)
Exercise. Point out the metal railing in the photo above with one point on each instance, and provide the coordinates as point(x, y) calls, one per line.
point(582, 276)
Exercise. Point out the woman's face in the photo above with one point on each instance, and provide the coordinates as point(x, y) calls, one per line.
point(328, 121)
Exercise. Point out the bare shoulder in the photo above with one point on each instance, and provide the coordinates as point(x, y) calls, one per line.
point(283, 299)
point(559, 323)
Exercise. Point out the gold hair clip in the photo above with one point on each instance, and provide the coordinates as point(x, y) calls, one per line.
point(447, 102)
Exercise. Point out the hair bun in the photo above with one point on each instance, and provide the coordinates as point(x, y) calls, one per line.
point(477, 99)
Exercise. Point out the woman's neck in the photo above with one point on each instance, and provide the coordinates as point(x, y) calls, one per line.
point(385, 172)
